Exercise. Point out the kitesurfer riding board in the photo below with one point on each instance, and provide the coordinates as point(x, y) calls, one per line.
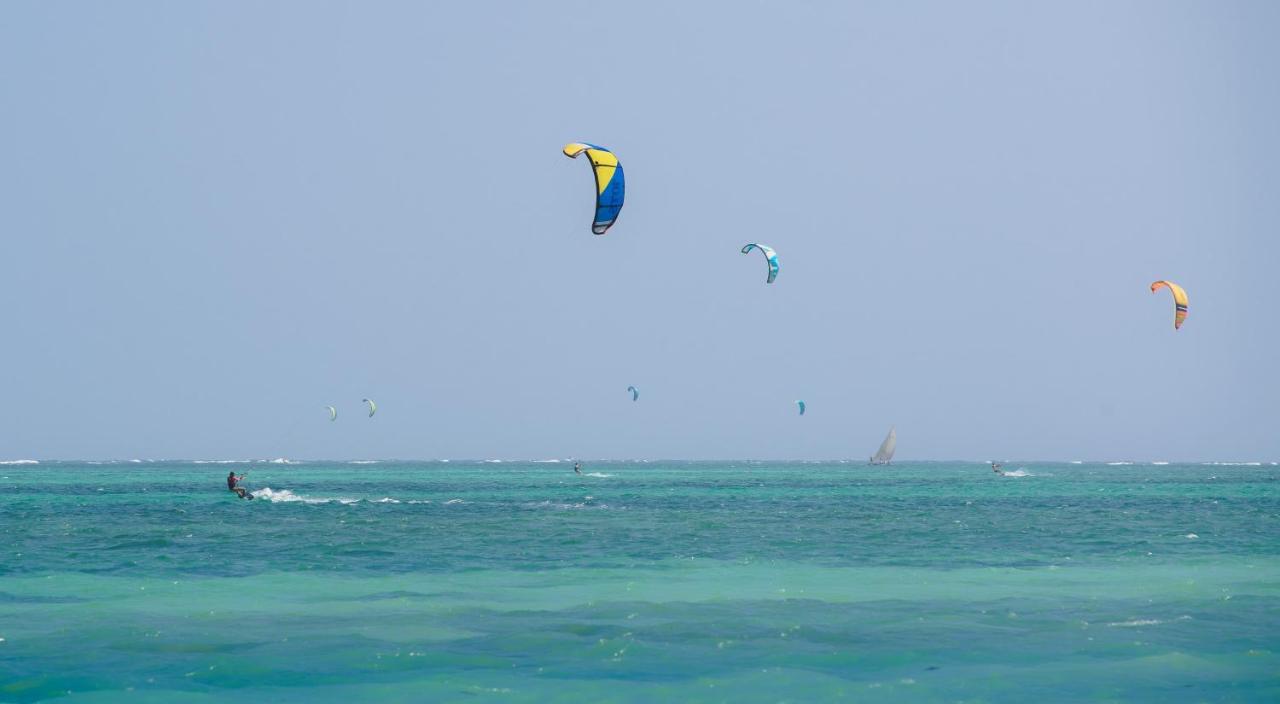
point(232, 485)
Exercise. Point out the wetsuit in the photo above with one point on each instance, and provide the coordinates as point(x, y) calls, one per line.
point(231, 484)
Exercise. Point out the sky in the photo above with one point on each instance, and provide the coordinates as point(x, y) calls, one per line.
point(217, 218)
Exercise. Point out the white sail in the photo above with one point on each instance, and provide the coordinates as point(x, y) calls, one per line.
point(885, 454)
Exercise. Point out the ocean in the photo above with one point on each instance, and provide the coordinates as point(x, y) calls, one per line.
point(640, 582)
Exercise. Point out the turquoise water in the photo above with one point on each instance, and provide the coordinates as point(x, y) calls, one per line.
point(733, 582)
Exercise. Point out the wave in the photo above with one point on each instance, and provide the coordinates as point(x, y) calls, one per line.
point(279, 460)
point(387, 500)
point(1138, 622)
point(1191, 536)
point(220, 461)
point(19, 462)
point(493, 461)
point(601, 475)
point(1233, 464)
point(1160, 464)
point(1019, 473)
point(1119, 464)
point(1077, 462)
point(563, 506)
point(364, 461)
point(454, 501)
point(286, 496)
point(546, 461)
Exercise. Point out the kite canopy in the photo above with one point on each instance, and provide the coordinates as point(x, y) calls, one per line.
point(770, 256)
point(1179, 301)
point(333, 412)
point(373, 407)
point(801, 405)
point(635, 393)
point(611, 185)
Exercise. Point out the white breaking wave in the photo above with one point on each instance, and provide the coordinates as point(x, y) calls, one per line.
point(387, 500)
point(1192, 536)
point(1077, 461)
point(1161, 464)
point(602, 475)
point(286, 496)
point(364, 461)
point(1119, 464)
point(1233, 464)
point(454, 501)
point(566, 506)
point(1019, 473)
point(1136, 622)
point(220, 461)
point(546, 461)
point(493, 461)
point(279, 460)
point(1143, 622)
point(19, 462)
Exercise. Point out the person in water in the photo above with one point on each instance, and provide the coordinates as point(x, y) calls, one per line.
point(997, 468)
point(577, 468)
point(233, 481)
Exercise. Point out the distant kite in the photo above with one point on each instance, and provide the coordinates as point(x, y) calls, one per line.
point(373, 407)
point(801, 405)
point(635, 393)
point(1179, 301)
point(611, 184)
point(333, 412)
point(770, 256)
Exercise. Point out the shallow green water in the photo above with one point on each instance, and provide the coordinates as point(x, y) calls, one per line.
point(640, 582)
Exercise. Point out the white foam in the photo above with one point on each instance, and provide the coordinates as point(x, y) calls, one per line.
point(1137, 622)
point(364, 461)
point(1234, 464)
point(546, 461)
point(493, 461)
point(416, 501)
point(1119, 464)
point(454, 501)
point(601, 475)
point(387, 500)
point(566, 506)
point(1160, 464)
point(135, 461)
point(19, 462)
point(1077, 462)
point(286, 496)
point(1192, 536)
point(1019, 473)
point(279, 460)
point(220, 461)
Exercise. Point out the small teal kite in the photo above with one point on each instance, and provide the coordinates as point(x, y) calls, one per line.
point(769, 255)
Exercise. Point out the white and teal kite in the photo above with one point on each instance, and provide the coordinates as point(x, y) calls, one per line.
point(635, 393)
point(333, 412)
point(373, 407)
point(769, 255)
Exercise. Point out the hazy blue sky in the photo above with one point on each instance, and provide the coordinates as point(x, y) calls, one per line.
point(216, 218)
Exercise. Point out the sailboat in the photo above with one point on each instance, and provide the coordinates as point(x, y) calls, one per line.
point(885, 454)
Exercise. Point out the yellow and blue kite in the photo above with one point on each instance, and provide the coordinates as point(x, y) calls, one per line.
point(611, 186)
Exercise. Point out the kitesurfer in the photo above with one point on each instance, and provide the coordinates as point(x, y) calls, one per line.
point(577, 468)
point(997, 468)
point(232, 481)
